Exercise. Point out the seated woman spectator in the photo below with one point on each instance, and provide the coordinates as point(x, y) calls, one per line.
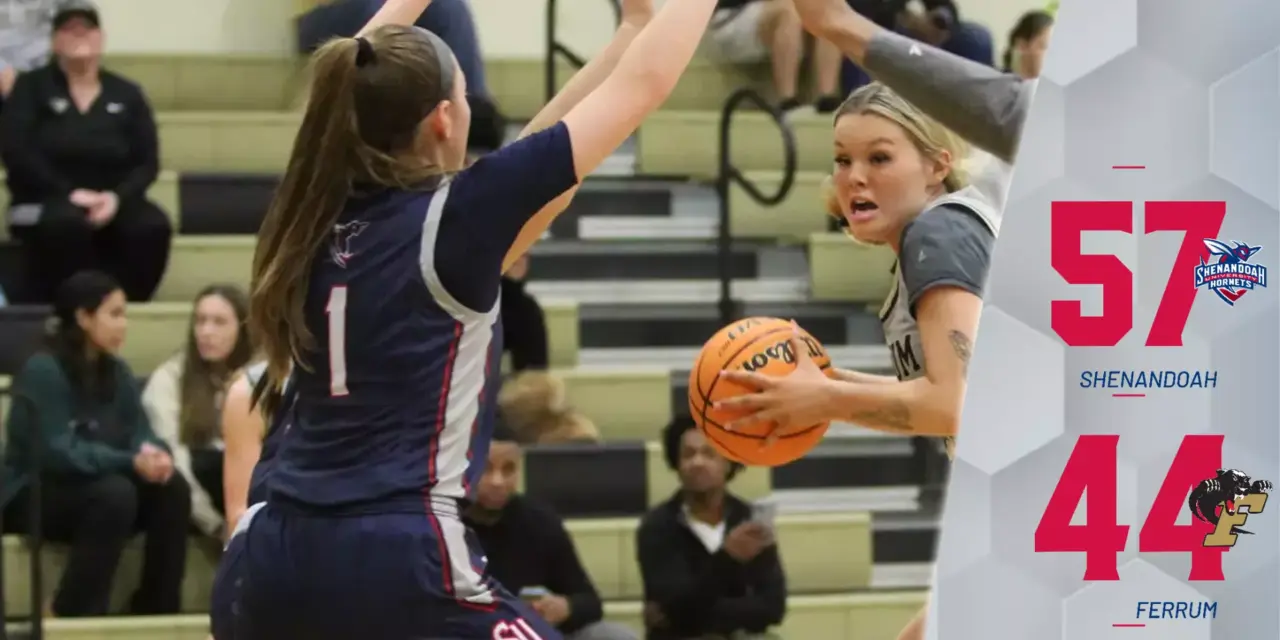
point(105, 474)
point(80, 146)
point(534, 407)
point(184, 398)
point(1028, 42)
point(524, 325)
point(750, 31)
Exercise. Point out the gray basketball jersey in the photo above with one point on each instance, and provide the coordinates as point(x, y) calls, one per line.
point(901, 333)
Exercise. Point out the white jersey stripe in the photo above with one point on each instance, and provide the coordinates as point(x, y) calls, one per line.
point(466, 387)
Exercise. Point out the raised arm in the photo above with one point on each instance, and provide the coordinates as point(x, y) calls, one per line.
point(981, 104)
point(646, 75)
point(635, 15)
point(515, 184)
point(402, 12)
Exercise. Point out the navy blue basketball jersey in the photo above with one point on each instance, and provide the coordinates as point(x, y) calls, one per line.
point(394, 405)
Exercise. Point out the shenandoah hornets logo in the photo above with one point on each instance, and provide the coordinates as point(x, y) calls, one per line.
point(1231, 274)
point(1225, 501)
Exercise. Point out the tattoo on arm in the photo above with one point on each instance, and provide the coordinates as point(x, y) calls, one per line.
point(963, 347)
point(895, 416)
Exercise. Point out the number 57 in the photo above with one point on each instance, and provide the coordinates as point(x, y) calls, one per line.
point(1069, 221)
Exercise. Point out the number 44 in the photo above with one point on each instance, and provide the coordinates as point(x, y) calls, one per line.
point(1092, 466)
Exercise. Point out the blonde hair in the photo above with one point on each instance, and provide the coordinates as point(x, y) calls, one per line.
point(535, 406)
point(929, 137)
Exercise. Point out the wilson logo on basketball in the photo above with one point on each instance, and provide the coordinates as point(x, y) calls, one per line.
point(782, 351)
point(737, 331)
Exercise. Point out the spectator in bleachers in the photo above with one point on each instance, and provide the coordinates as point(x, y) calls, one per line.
point(530, 553)
point(105, 474)
point(81, 150)
point(450, 19)
point(749, 31)
point(24, 39)
point(524, 325)
point(534, 405)
point(709, 569)
point(184, 397)
point(1028, 42)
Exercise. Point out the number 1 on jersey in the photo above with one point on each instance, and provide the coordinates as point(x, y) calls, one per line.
point(337, 312)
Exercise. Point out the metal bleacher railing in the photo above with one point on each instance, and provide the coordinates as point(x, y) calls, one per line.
point(729, 175)
point(556, 49)
point(34, 533)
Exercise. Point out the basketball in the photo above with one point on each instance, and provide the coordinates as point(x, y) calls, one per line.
point(762, 345)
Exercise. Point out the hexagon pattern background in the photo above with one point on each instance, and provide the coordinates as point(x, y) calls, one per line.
point(1191, 91)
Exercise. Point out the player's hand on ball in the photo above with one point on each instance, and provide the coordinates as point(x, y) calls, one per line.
point(800, 398)
point(637, 12)
point(554, 609)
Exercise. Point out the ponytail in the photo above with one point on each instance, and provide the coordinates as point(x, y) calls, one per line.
point(368, 98)
point(306, 206)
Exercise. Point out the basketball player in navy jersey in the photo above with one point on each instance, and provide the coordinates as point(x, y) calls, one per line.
point(376, 283)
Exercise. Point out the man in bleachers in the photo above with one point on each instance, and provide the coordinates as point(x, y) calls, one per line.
point(81, 148)
point(710, 567)
point(750, 31)
point(530, 553)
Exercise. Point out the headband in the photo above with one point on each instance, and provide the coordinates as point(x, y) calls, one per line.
point(444, 59)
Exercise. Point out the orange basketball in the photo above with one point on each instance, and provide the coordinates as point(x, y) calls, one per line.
point(761, 345)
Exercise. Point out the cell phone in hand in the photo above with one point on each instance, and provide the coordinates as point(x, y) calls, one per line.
point(764, 512)
point(533, 594)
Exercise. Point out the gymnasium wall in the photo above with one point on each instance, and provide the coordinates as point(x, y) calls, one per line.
point(508, 28)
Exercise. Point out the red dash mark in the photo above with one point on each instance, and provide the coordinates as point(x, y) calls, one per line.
point(1129, 167)
point(1128, 395)
point(1128, 625)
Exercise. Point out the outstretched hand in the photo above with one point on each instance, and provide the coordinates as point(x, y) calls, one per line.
point(800, 398)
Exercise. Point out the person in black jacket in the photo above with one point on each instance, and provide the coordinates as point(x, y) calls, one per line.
point(524, 324)
point(106, 475)
point(81, 149)
point(709, 568)
point(529, 551)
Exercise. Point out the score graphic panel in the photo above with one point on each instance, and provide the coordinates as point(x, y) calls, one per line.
point(1120, 436)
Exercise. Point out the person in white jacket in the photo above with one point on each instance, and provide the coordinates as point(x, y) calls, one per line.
point(184, 397)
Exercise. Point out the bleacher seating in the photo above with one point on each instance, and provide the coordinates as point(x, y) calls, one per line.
point(628, 281)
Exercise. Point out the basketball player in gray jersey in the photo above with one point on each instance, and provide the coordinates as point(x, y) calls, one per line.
point(899, 180)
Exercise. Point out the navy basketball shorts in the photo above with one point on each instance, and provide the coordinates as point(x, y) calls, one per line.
point(411, 576)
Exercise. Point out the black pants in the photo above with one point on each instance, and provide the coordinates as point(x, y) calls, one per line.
point(133, 248)
point(97, 517)
point(206, 466)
